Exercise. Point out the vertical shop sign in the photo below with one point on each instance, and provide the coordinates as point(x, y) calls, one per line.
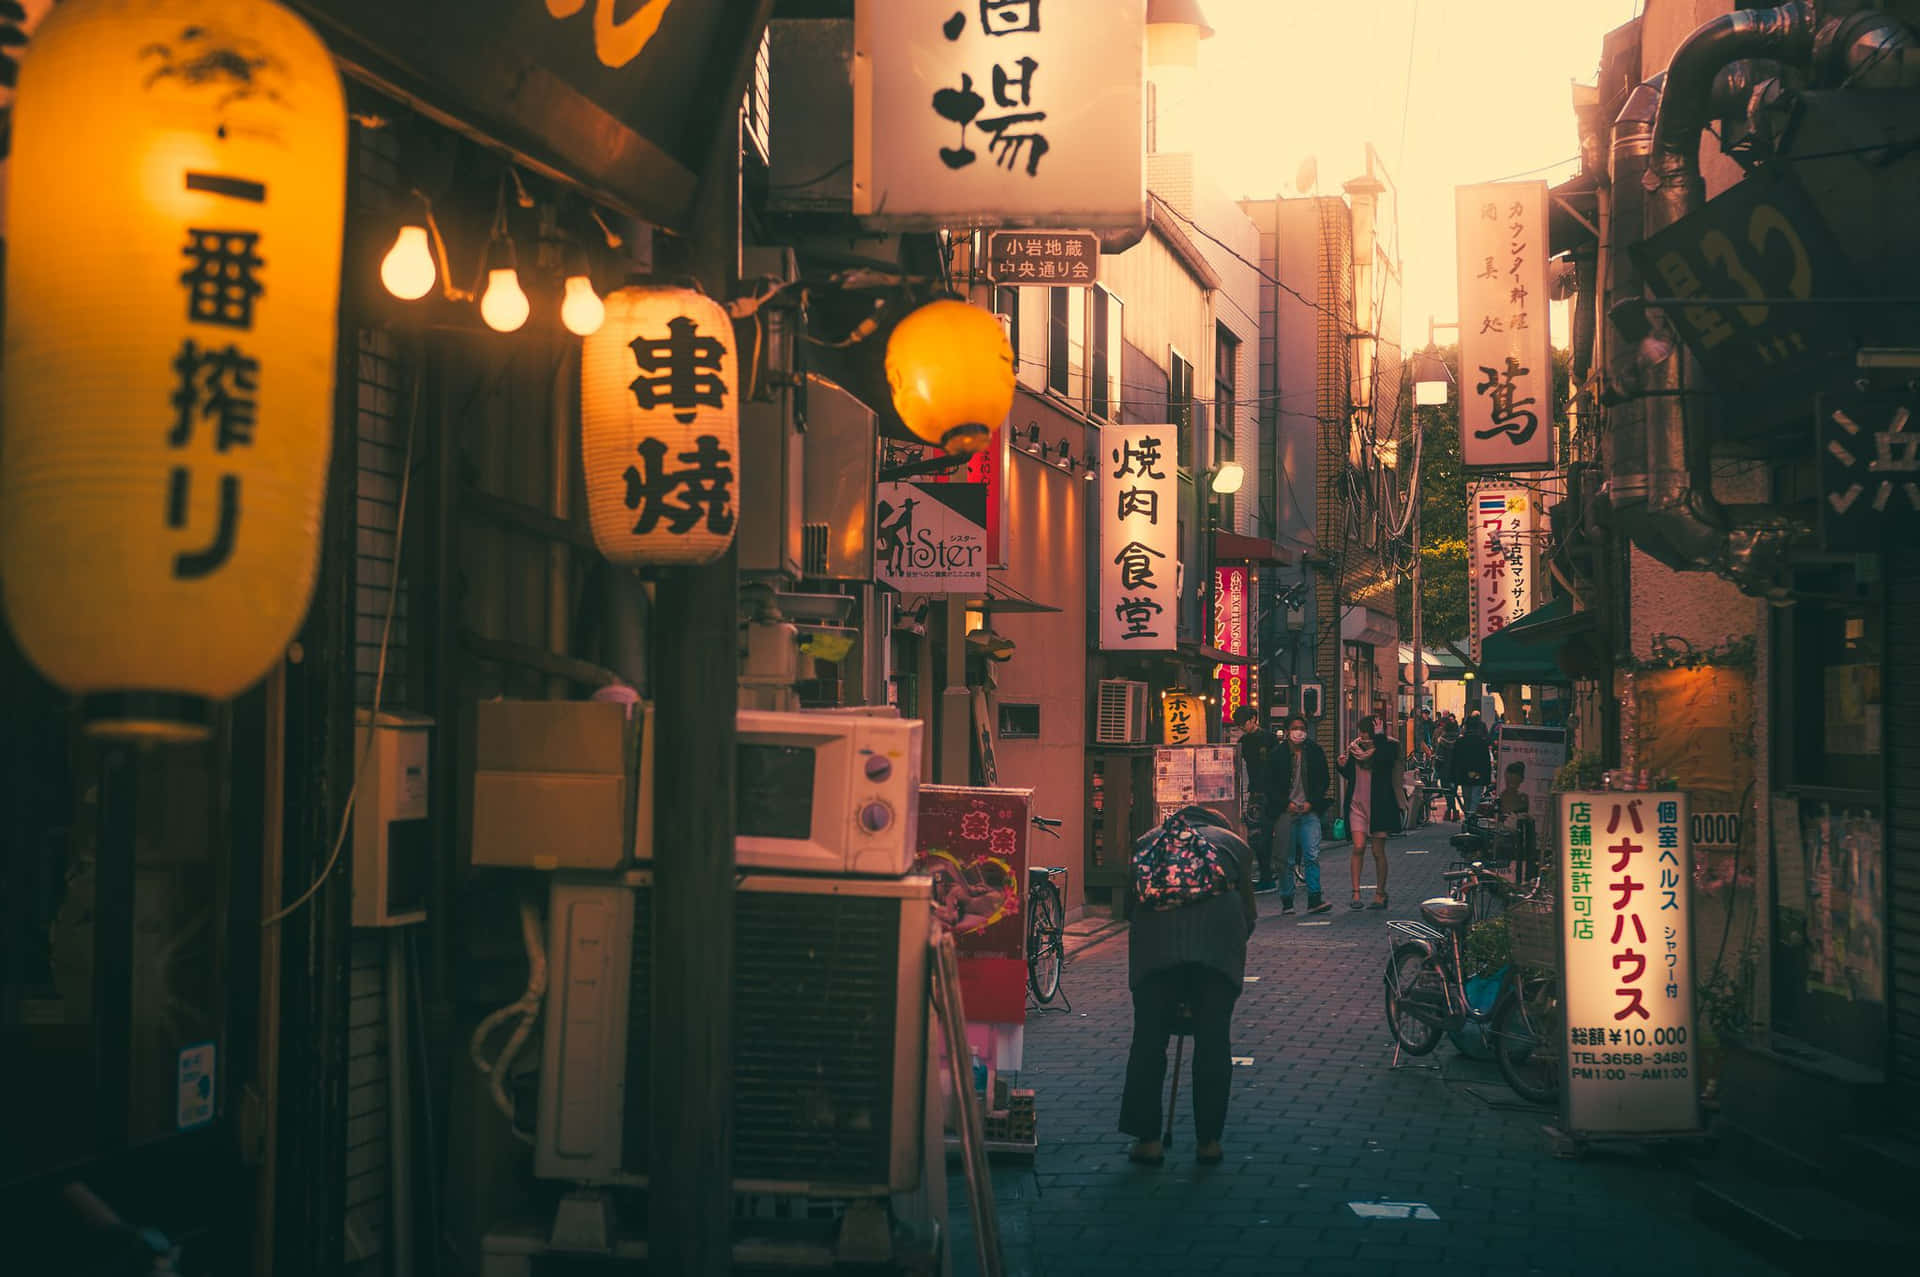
point(1139, 542)
point(1506, 364)
point(998, 112)
point(1500, 554)
point(1180, 718)
point(1627, 961)
point(1230, 635)
point(973, 843)
point(985, 467)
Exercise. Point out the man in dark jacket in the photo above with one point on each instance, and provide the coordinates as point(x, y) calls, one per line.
point(1473, 763)
point(1193, 956)
point(1299, 785)
point(1256, 751)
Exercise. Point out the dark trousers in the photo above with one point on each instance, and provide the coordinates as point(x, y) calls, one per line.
point(1155, 1008)
point(1260, 837)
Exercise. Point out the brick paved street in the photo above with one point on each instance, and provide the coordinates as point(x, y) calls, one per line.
point(1316, 1121)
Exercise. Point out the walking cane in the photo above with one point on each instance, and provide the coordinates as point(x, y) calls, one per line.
point(1173, 1098)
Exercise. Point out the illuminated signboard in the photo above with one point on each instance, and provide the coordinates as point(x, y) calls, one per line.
point(1629, 1048)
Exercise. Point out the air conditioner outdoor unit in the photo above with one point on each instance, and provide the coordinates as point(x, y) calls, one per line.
point(829, 1032)
point(1121, 714)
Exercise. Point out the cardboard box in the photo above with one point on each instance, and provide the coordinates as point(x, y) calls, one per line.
point(562, 784)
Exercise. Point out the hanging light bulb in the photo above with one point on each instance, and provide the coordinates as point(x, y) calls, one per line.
point(581, 310)
point(407, 269)
point(503, 305)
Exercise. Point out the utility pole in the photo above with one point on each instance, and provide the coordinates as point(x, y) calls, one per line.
point(696, 689)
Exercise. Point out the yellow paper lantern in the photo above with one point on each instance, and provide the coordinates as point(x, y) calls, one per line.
point(1180, 719)
point(174, 215)
point(951, 370)
point(660, 427)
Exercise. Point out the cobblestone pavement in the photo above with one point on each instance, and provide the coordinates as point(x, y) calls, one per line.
point(1318, 1119)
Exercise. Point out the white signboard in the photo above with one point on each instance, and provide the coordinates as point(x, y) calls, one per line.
point(1501, 543)
point(1506, 363)
point(999, 112)
point(1542, 751)
point(1139, 540)
point(931, 538)
point(1626, 947)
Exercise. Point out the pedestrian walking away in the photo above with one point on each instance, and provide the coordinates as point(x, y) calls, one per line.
point(1256, 749)
point(1444, 743)
point(1301, 784)
point(1473, 763)
point(1370, 765)
point(1190, 901)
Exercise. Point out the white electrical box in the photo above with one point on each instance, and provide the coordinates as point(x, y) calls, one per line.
point(392, 837)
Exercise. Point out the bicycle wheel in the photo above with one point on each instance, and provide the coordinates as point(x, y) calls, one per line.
point(1411, 980)
point(1046, 948)
point(1526, 1039)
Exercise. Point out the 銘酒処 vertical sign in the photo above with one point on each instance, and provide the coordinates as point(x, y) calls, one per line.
point(1500, 553)
point(1230, 635)
point(1139, 540)
point(999, 112)
point(1506, 361)
point(1627, 964)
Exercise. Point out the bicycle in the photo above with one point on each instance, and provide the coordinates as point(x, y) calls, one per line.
point(1426, 997)
point(1046, 923)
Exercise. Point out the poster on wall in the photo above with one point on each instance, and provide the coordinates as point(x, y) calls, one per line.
point(1506, 364)
point(1626, 962)
point(1003, 113)
point(1501, 540)
point(973, 844)
point(1844, 894)
point(1139, 540)
point(931, 538)
point(1232, 587)
point(1542, 751)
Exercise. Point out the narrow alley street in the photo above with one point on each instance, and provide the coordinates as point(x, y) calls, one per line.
point(1319, 1119)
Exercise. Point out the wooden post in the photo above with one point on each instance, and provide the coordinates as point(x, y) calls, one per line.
point(696, 679)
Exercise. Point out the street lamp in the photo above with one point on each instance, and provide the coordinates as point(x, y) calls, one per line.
point(1432, 383)
point(1223, 480)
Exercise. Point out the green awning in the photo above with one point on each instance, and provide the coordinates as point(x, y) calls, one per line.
point(1528, 651)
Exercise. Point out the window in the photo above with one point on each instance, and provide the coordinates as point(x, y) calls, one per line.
point(1180, 405)
point(1006, 301)
point(1226, 367)
point(1059, 331)
point(1019, 722)
point(1104, 355)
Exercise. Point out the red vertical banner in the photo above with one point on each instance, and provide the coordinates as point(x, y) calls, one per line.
point(973, 844)
point(1230, 635)
point(988, 466)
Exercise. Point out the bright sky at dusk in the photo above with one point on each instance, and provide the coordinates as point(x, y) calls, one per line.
point(1485, 96)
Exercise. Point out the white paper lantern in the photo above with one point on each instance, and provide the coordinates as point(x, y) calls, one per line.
point(660, 427)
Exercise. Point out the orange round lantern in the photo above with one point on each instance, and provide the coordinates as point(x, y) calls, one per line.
point(951, 370)
point(174, 211)
point(660, 427)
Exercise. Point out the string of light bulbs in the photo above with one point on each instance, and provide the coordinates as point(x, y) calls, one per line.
point(417, 261)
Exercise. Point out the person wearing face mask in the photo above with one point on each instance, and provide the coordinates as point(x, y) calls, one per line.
point(1299, 783)
point(1370, 765)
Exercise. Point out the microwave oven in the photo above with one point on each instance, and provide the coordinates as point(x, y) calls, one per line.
point(826, 793)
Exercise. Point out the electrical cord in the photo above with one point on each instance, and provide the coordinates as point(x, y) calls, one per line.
point(379, 672)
